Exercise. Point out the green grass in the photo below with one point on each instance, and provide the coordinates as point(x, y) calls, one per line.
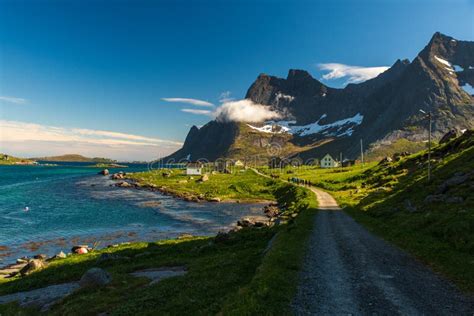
point(240, 275)
point(274, 283)
point(440, 234)
point(400, 145)
point(243, 185)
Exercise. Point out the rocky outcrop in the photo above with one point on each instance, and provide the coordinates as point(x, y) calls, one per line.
point(32, 266)
point(95, 277)
point(448, 136)
point(104, 172)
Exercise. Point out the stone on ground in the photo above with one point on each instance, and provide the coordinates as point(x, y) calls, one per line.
point(158, 274)
point(95, 277)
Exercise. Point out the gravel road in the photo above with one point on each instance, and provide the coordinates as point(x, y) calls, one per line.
point(347, 270)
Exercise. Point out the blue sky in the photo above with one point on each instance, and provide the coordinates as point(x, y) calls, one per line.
point(69, 68)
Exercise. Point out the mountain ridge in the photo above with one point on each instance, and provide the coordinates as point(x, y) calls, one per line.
point(388, 106)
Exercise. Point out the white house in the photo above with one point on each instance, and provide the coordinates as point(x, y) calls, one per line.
point(328, 162)
point(193, 169)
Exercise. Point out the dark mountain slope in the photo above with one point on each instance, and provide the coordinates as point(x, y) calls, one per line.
point(379, 111)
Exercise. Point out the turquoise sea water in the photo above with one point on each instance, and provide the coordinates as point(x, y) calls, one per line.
point(71, 204)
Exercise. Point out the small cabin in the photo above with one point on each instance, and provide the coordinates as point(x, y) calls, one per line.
point(193, 169)
point(328, 162)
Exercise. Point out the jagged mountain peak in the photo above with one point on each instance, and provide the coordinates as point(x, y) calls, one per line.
point(320, 119)
point(299, 74)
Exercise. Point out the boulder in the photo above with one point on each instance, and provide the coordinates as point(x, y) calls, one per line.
point(123, 184)
point(448, 136)
point(214, 199)
point(271, 210)
point(183, 181)
point(32, 266)
point(386, 160)
point(166, 174)
point(80, 249)
point(60, 255)
point(104, 172)
point(22, 260)
point(40, 256)
point(204, 178)
point(95, 277)
point(457, 179)
point(117, 176)
point(253, 221)
point(435, 198)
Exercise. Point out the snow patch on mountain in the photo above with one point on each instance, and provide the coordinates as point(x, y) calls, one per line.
point(270, 128)
point(444, 62)
point(344, 127)
point(286, 97)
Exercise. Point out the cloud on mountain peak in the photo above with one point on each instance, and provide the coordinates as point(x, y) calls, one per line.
point(354, 74)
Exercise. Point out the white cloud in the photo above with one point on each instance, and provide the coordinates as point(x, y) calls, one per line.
point(13, 100)
point(355, 74)
point(198, 112)
point(225, 97)
point(29, 139)
point(188, 101)
point(245, 111)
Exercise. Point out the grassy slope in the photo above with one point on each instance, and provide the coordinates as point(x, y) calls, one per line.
point(440, 234)
point(387, 150)
point(235, 276)
point(242, 186)
point(250, 143)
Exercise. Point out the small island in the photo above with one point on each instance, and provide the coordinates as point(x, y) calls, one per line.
point(75, 158)
point(107, 165)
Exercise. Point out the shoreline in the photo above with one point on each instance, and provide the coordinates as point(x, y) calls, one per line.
point(185, 196)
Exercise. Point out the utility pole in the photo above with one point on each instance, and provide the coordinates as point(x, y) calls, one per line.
point(429, 147)
point(361, 152)
point(340, 159)
point(429, 142)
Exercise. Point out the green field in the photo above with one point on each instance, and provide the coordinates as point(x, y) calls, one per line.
point(242, 185)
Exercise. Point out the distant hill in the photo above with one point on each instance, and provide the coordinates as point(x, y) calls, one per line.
point(75, 158)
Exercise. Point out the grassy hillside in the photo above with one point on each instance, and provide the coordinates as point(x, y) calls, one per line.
point(433, 220)
point(243, 185)
point(380, 151)
point(75, 158)
point(252, 271)
point(10, 160)
point(251, 143)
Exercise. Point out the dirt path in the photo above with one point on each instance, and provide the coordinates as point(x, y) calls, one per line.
point(347, 270)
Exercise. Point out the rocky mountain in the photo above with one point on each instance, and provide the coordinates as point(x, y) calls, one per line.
point(317, 119)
